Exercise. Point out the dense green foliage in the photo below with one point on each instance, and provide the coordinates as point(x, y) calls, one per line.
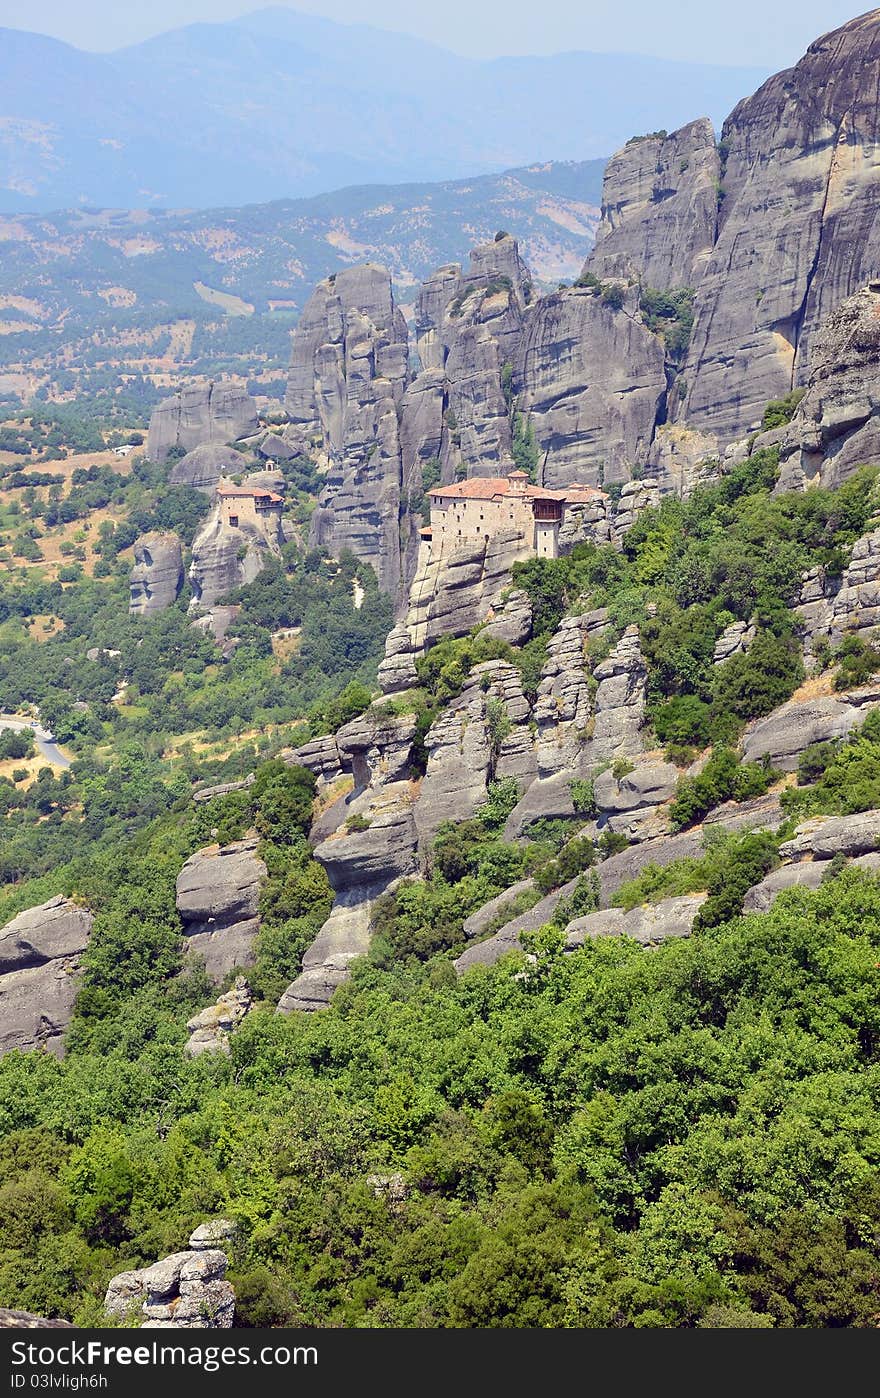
point(689, 1137)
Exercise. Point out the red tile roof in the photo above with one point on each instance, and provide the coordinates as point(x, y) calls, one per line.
point(493, 487)
point(251, 492)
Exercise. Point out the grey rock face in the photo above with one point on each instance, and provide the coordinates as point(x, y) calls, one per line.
point(806, 874)
point(797, 228)
point(564, 704)
point(204, 467)
point(40, 953)
point(793, 727)
point(449, 596)
point(631, 803)
point(508, 937)
point(659, 208)
point(592, 380)
point(224, 558)
point(478, 922)
point(326, 964)
point(375, 747)
point(218, 897)
point(620, 700)
point(836, 426)
point(512, 622)
point(830, 608)
point(215, 412)
point(157, 575)
point(824, 836)
point(347, 376)
point(467, 328)
point(735, 639)
point(185, 1291)
point(649, 924)
point(463, 755)
point(373, 858)
point(210, 1029)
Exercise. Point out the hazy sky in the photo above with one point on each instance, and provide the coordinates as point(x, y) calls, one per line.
point(765, 33)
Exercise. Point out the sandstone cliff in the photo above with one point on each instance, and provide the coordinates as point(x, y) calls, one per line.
point(348, 372)
point(797, 228)
point(40, 954)
point(660, 208)
point(157, 576)
point(213, 413)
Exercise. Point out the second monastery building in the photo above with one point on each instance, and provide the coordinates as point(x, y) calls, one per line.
point(485, 505)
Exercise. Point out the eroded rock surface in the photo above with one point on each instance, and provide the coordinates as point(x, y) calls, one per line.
point(659, 208)
point(797, 228)
point(186, 1291)
point(218, 898)
point(200, 413)
point(157, 576)
point(210, 1029)
point(40, 952)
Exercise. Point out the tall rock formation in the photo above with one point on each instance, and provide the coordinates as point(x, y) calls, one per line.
point(591, 378)
point(157, 576)
point(348, 372)
point(660, 208)
point(798, 228)
point(200, 413)
point(40, 954)
point(218, 898)
point(836, 426)
point(468, 326)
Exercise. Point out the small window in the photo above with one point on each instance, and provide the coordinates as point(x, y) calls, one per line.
point(233, 521)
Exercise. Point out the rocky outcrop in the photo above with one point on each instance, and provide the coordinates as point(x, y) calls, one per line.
point(467, 328)
point(186, 1291)
point(830, 608)
point(348, 372)
point(630, 803)
point(210, 1029)
point(40, 953)
point(366, 841)
point(199, 413)
point(507, 938)
point(649, 924)
point(449, 596)
point(218, 899)
point(592, 380)
point(806, 874)
point(824, 836)
point(659, 208)
point(479, 736)
point(157, 576)
point(797, 229)
point(224, 557)
point(204, 467)
point(793, 727)
point(735, 639)
point(836, 426)
point(25, 1320)
point(480, 921)
point(620, 700)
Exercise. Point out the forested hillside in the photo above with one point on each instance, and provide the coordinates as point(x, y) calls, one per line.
point(609, 1136)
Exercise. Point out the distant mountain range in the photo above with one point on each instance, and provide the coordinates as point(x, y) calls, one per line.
point(281, 104)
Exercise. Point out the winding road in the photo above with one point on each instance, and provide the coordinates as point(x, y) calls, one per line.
point(46, 745)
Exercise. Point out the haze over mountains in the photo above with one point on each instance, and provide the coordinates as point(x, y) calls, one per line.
point(280, 104)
